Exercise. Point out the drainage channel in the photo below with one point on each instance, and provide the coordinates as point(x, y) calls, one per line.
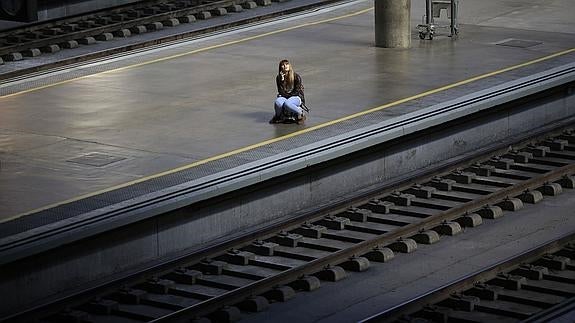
point(300, 256)
point(536, 286)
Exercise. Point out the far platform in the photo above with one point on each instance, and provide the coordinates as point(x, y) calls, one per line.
point(103, 130)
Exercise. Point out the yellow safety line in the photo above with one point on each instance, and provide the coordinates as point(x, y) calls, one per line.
point(192, 52)
point(297, 133)
point(293, 134)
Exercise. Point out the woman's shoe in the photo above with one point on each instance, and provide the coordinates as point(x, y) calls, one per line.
point(301, 118)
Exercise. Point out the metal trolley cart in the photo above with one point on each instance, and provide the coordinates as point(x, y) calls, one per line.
point(433, 10)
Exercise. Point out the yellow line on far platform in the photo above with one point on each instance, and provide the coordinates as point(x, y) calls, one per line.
point(192, 52)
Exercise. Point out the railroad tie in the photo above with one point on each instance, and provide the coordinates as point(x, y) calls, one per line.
point(31, 52)
point(378, 206)
point(86, 40)
point(424, 192)
point(69, 44)
point(71, 316)
point(280, 294)
point(262, 248)
point(214, 267)
point(331, 273)
point(531, 197)
point(461, 302)
point(105, 37)
point(448, 228)
point(519, 156)
point(287, 239)
point(154, 26)
point(567, 182)
point(235, 8)
point(226, 314)
point(403, 245)
point(356, 214)
point(311, 230)
point(171, 22)
point(184, 276)
point(436, 313)
point(129, 296)
point(550, 189)
point(568, 251)
point(50, 49)
point(140, 29)
point(486, 292)
point(442, 184)
point(357, 264)
point(490, 212)
point(249, 5)
point(158, 286)
point(101, 306)
point(12, 57)
point(380, 254)
point(254, 304)
point(461, 176)
point(470, 220)
point(204, 15)
point(200, 320)
point(399, 198)
point(187, 19)
point(306, 283)
point(426, 237)
point(553, 262)
point(238, 257)
point(481, 169)
point(510, 204)
point(334, 222)
point(122, 33)
point(264, 3)
point(537, 150)
point(555, 144)
point(219, 11)
point(531, 271)
point(501, 162)
point(512, 282)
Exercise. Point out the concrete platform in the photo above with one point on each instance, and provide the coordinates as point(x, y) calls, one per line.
point(202, 106)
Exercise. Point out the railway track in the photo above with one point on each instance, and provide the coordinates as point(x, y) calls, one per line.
point(536, 286)
point(121, 22)
point(103, 26)
point(325, 247)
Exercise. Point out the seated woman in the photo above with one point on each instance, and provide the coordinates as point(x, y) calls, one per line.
point(290, 102)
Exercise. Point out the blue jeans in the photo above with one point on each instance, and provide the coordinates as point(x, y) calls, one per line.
point(293, 105)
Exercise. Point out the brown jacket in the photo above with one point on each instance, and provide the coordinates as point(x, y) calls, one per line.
point(297, 88)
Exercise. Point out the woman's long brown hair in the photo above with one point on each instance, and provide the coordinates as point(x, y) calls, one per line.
point(288, 82)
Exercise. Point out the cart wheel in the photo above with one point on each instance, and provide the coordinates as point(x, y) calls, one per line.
point(430, 36)
point(421, 35)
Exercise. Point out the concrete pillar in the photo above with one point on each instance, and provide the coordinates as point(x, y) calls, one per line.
point(392, 23)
